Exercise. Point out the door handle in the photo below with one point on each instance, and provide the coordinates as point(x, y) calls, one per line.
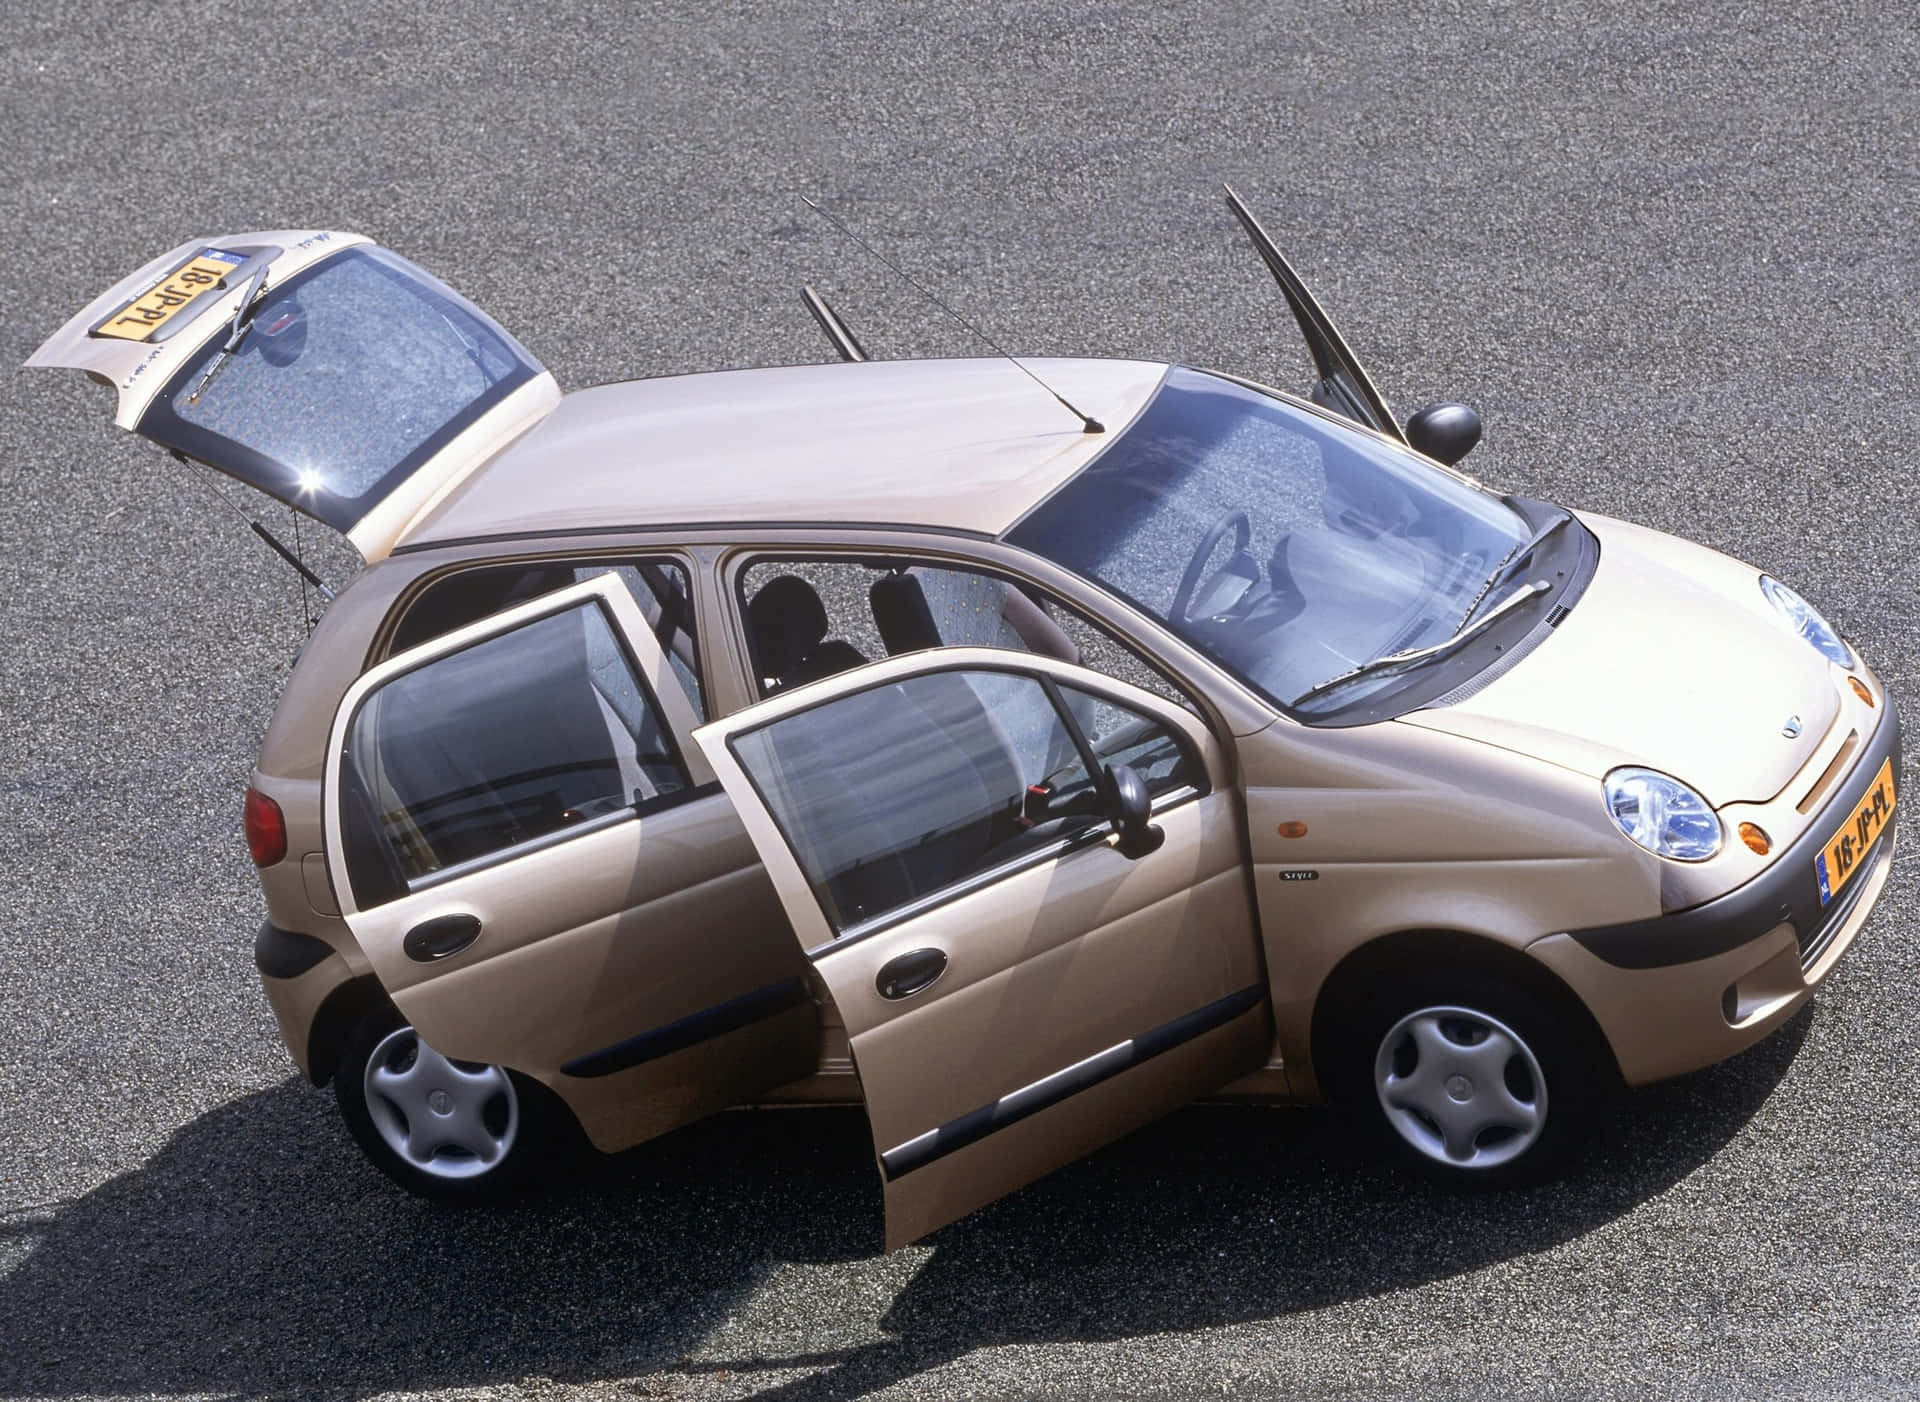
point(913, 972)
point(441, 936)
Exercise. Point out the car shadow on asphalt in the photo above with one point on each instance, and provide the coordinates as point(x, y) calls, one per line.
point(255, 1253)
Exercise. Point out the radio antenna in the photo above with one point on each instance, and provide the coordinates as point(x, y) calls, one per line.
point(1088, 423)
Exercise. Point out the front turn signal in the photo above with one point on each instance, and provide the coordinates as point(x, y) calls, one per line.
point(1756, 839)
point(1860, 690)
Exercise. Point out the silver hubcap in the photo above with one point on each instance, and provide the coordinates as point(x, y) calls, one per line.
point(448, 1119)
point(1460, 1087)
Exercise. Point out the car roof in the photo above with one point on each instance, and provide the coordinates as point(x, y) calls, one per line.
point(966, 445)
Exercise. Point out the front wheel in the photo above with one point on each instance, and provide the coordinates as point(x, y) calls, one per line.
point(1474, 1081)
point(452, 1130)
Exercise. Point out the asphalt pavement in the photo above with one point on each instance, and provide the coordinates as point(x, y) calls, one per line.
point(1669, 252)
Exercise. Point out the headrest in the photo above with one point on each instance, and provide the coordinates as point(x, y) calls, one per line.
point(787, 619)
point(901, 613)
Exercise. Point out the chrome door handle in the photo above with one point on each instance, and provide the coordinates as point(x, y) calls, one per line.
point(913, 972)
point(435, 939)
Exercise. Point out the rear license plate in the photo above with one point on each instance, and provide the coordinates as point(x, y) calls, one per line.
point(1847, 850)
point(178, 290)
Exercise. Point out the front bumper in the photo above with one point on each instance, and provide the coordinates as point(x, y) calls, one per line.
point(1681, 991)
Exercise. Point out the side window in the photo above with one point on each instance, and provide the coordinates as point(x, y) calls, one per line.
point(501, 743)
point(808, 619)
point(890, 794)
point(658, 585)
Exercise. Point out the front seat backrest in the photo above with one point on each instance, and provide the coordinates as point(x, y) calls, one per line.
point(789, 627)
point(901, 613)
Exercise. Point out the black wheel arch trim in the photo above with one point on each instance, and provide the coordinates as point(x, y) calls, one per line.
point(1391, 958)
point(334, 1020)
point(1787, 892)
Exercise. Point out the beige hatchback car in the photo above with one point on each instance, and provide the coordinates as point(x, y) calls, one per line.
point(1019, 762)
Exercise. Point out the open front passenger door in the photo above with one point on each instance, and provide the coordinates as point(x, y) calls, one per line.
point(1023, 978)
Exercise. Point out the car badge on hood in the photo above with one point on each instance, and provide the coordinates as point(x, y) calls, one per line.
point(1792, 728)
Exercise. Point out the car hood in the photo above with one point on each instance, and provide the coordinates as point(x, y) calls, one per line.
point(1672, 659)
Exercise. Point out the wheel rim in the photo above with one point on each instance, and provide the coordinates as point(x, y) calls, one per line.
point(1461, 1088)
point(446, 1119)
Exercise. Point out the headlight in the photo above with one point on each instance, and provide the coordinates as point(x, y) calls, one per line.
point(1662, 814)
point(1805, 620)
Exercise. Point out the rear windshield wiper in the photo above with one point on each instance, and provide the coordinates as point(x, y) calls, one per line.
point(1396, 661)
point(472, 349)
point(242, 323)
point(1514, 560)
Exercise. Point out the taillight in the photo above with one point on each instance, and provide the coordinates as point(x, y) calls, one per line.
point(266, 829)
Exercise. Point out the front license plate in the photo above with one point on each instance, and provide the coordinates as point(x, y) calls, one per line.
point(178, 290)
point(1847, 850)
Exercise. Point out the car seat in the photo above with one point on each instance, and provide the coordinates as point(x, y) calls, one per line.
point(788, 625)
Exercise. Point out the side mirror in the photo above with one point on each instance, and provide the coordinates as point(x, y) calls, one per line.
point(1132, 805)
point(1444, 431)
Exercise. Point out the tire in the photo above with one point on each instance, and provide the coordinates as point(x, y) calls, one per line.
point(1469, 1079)
point(453, 1131)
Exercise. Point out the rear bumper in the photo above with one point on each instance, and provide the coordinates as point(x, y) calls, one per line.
point(1681, 991)
point(285, 954)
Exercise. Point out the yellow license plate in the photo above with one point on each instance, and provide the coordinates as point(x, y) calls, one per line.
point(180, 289)
point(1847, 851)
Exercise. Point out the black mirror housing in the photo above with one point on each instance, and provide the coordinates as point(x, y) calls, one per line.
point(1445, 431)
point(1132, 809)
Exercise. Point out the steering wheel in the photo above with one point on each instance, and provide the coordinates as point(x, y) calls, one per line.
point(1190, 581)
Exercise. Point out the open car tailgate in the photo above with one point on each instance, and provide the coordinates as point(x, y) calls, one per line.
point(316, 366)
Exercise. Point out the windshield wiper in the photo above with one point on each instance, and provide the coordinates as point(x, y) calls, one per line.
point(242, 323)
point(473, 351)
point(1394, 661)
point(1515, 558)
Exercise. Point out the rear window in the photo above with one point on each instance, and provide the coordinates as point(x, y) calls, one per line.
point(354, 372)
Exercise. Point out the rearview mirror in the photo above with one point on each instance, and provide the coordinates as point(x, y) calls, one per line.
point(1444, 431)
point(1132, 809)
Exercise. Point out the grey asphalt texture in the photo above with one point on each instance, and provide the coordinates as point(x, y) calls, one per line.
point(1668, 250)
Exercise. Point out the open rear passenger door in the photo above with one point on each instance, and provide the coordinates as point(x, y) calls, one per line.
point(1025, 974)
point(537, 863)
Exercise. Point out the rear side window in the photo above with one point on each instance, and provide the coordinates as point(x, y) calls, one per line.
point(658, 584)
point(521, 736)
point(906, 790)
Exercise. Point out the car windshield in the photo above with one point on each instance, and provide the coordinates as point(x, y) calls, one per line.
point(1289, 547)
point(346, 378)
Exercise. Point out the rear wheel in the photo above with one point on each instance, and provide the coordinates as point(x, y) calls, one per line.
point(446, 1129)
point(1474, 1081)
